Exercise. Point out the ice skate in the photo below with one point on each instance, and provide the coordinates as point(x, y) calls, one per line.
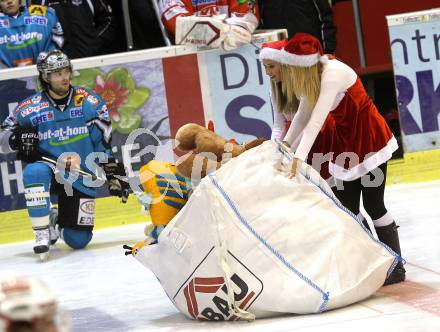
point(53, 227)
point(42, 243)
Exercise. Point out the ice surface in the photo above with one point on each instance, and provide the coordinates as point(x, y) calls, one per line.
point(103, 290)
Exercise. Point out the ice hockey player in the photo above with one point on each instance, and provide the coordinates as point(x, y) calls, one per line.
point(71, 126)
point(235, 20)
point(25, 32)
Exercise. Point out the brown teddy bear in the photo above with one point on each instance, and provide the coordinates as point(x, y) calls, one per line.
point(208, 151)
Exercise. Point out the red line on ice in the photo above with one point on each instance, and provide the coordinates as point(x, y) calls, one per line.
point(415, 294)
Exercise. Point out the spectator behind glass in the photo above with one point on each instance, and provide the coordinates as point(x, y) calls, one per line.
point(144, 25)
point(239, 13)
point(311, 16)
point(25, 32)
point(88, 25)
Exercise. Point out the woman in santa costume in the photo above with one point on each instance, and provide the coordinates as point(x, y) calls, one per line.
point(285, 112)
point(334, 116)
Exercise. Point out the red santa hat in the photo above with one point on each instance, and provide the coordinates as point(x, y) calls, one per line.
point(302, 50)
point(272, 51)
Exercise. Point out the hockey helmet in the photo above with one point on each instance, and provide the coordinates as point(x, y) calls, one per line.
point(25, 299)
point(52, 61)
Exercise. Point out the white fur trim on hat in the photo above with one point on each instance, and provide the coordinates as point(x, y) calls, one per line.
point(268, 53)
point(287, 58)
point(299, 60)
point(324, 59)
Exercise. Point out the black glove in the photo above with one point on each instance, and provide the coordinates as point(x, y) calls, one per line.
point(25, 141)
point(116, 187)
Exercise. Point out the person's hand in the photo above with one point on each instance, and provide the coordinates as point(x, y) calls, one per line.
point(294, 167)
point(25, 141)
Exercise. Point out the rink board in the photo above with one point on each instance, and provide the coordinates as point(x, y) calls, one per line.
point(415, 167)
point(415, 54)
point(156, 92)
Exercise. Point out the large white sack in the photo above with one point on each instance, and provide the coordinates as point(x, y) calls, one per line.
point(281, 245)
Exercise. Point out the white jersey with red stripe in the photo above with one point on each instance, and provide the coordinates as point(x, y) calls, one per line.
point(171, 9)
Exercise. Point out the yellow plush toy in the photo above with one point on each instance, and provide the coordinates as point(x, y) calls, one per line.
point(167, 192)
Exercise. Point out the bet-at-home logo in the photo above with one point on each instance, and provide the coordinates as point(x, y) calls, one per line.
point(204, 295)
point(20, 40)
point(64, 136)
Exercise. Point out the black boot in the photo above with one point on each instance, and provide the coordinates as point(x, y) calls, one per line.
point(388, 235)
point(365, 223)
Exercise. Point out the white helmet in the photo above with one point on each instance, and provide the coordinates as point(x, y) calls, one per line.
point(53, 61)
point(25, 299)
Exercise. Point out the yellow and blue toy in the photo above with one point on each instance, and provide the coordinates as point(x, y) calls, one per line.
point(166, 193)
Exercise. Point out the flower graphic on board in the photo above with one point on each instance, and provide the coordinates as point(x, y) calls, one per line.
point(113, 94)
point(122, 97)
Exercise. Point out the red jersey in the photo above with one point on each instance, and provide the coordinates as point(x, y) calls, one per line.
point(171, 9)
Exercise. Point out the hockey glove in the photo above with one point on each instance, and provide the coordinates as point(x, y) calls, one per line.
point(114, 171)
point(25, 141)
point(240, 31)
point(215, 31)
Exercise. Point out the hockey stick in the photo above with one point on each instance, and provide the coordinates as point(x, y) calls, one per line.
point(124, 194)
point(79, 171)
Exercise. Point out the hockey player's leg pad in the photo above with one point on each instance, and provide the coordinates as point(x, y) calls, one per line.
point(76, 211)
point(76, 239)
point(36, 179)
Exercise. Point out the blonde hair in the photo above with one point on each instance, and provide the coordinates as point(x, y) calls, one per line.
point(280, 99)
point(296, 82)
point(284, 103)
